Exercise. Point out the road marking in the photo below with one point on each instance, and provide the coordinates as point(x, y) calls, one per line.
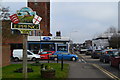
point(79, 60)
point(106, 72)
point(83, 60)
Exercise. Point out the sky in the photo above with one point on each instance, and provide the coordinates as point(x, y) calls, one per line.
point(83, 20)
point(80, 20)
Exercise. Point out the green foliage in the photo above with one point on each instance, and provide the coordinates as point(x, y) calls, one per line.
point(114, 42)
point(26, 19)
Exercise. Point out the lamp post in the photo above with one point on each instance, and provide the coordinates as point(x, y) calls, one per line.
point(40, 34)
point(71, 38)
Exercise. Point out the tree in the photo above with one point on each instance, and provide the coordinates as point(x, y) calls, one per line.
point(111, 29)
point(114, 41)
point(4, 13)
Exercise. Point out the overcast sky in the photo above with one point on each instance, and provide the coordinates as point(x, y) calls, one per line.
point(83, 20)
point(79, 20)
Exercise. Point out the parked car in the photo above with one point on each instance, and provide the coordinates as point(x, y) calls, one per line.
point(96, 54)
point(89, 52)
point(115, 60)
point(105, 56)
point(82, 51)
point(18, 55)
point(65, 55)
point(45, 54)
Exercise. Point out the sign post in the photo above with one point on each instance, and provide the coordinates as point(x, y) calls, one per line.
point(25, 56)
point(25, 21)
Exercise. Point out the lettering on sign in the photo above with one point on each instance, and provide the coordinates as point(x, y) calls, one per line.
point(25, 31)
point(23, 26)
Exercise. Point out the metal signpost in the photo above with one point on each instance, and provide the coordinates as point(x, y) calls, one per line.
point(25, 22)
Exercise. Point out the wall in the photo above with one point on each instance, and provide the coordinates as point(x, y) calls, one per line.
point(6, 54)
point(43, 10)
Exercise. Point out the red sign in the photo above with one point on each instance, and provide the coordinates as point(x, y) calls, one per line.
point(14, 18)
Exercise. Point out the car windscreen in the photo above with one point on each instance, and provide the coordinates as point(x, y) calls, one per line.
point(116, 53)
point(98, 51)
point(43, 53)
point(109, 52)
point(65, 53)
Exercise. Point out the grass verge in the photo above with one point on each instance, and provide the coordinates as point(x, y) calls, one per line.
point(8, 71)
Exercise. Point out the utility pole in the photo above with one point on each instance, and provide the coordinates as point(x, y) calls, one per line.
point(25, 56)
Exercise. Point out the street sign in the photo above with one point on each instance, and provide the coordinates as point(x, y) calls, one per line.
point(23, 21)
point(26, 20)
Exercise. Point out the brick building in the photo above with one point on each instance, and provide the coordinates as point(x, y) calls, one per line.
point(43, 12)
point(11, 41)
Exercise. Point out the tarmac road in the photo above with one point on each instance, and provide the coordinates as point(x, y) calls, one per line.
point(103, 67)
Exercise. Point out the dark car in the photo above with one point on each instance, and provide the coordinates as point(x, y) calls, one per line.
point(65, 55)
point(115, 60)
point(105, 56)
point(89, 52)
point(96, 54)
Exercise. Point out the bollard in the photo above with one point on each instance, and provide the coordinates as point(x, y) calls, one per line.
point(57, 58)
point(48, 59)
point(62, 63)
point(42, 66)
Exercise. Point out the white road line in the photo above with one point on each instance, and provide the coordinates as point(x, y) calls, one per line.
point(83, 60)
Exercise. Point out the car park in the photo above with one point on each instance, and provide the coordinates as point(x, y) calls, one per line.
point(105, 56)
point(96, 54)
point(65, 55)
point(45, 54)
point(115, 60)
point(18, 55)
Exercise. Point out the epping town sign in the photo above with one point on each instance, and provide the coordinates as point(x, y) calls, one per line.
point(25, 20)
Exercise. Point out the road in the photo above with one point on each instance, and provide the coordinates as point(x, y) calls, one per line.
point(87, 68)
point(104, 67)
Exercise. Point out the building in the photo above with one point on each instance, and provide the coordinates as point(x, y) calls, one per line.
point(48, 43)
point(102, 41)
point(43, 10)
point(88, 44)
point(13, 41)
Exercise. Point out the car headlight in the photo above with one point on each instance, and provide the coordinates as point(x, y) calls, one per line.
point(76, 56)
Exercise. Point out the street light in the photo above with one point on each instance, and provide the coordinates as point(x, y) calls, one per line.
point(40, 34)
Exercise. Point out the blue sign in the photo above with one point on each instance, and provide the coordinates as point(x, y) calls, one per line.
point(46, 38)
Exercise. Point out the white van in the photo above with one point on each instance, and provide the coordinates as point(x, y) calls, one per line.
point(18, 55)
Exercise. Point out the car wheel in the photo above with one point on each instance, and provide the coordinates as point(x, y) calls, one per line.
point(91, 56)
point(16, 59)
point(104, 60)
point(100, 60)
point(73, 59)
point(119, 66)
point(110, 63)
point(33, 59)
point(55, 59)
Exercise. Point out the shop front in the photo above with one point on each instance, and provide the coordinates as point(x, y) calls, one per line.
point(52, 44)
